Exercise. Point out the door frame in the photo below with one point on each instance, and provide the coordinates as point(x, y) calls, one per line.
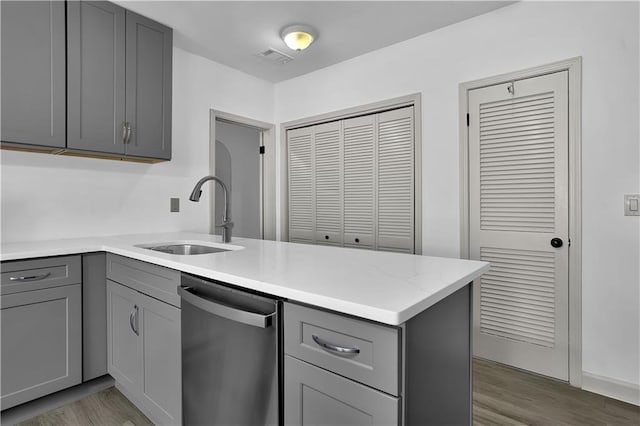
point(414, 100)
point(574, 68)
point(267, 169)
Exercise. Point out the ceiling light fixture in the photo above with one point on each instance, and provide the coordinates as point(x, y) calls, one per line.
point(298, 37)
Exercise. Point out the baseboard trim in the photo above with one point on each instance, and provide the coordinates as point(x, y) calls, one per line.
point(39, 406)
point(616, 389)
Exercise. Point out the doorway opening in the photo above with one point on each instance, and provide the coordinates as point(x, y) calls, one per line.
point(242, 154)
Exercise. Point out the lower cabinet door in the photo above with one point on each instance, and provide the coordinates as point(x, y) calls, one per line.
point(314, 396)
point(41, 343)
point(124, 348)
point(162, 383)
point(144, 352)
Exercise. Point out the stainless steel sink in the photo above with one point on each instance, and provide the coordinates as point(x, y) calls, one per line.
point(184, 249)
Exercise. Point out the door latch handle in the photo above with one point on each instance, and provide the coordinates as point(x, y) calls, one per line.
point(556, 242)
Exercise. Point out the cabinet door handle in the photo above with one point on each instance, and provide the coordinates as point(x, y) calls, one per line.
point(128, 133)
point(30, 277)
point(124, 133)
point(133, 316)
point(339, 350)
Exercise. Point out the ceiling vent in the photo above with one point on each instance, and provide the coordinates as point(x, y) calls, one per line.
point(275, 57)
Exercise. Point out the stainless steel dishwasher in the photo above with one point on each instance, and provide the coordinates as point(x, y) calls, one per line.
point(230, 355)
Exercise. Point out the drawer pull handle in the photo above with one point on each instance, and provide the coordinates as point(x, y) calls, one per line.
point(30, 277)
point(339, 350)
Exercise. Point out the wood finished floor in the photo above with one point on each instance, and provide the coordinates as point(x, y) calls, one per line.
point(506, 396)
point(107, 407)
point(501, 396)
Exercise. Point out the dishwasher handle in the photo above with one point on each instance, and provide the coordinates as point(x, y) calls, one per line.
point(228, 312)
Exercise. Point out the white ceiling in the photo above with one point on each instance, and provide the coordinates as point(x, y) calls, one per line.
point(233, 32)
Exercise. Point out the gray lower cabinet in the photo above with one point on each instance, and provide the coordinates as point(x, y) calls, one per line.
point(94, 316)
point(33, 73)
point(119, 74)
point(314, 396)
point(144, 352)
point(341, 370)
point(41, 331)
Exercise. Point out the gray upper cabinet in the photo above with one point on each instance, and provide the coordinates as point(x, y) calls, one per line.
point(33, 84)
point(96, 75)
point(148, 80)
point(119, 73)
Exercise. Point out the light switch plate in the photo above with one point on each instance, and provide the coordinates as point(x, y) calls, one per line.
point(632, 205)
point(175, 205)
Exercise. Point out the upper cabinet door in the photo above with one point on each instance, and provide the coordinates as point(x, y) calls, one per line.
point(33, 84)
point(96, 76)
point(148, 99)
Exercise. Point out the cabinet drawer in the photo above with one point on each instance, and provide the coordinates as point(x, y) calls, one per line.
point(315, 396)
point(36, 274)
point(377, 361)
point(152, 280)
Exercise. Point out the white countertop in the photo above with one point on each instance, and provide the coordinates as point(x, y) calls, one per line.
point(386, 287)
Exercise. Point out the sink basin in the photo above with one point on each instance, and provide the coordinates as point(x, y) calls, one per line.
point(184, 249)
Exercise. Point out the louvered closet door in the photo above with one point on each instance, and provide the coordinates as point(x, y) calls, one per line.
point(359, 182)
point(327, 145)
point(395, 180)
point(518, 179)
point(301, 185)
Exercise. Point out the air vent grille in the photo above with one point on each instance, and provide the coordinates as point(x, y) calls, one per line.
point(274, 56)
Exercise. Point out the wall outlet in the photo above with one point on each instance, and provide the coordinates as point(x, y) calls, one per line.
point(175, 205)
point(632, 205)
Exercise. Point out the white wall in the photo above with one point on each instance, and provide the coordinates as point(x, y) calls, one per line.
point(48, 197)
point(516, 37)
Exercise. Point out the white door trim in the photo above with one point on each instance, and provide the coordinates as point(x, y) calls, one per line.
point(268, 166)
point(574, 67)
point(414, 100)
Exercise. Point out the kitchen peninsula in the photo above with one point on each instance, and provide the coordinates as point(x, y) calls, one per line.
point(422, 302)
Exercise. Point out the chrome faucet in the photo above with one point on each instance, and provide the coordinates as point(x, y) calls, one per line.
point(226, 224)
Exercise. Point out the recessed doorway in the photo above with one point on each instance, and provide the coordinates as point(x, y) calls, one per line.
point(242, 155)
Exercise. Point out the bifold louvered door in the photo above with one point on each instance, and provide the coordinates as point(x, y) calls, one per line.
point(327, 147)
point(301, 185)
point(518, 180)
point(351, 182)
point(359, 182)
point(395, 180)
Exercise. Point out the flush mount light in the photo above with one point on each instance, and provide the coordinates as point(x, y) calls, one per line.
point(298, 37)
